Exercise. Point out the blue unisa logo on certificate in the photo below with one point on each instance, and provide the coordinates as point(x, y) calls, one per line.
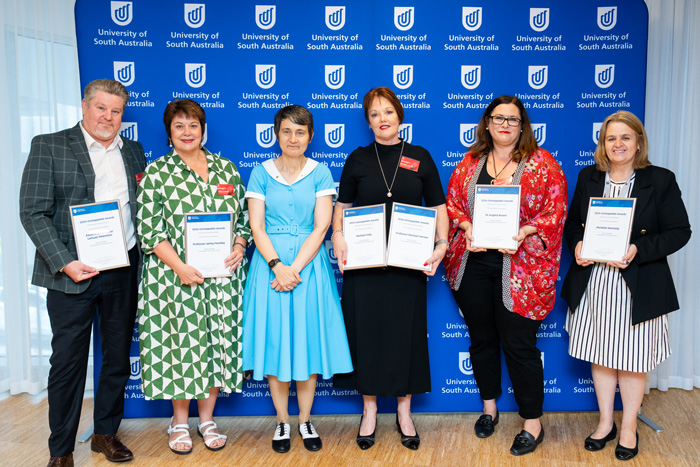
point(471, 18)
point(124, 72)
point(335, 17)
point(194, 14)
point(122, 12)
point(265, 16)
point(607, 17)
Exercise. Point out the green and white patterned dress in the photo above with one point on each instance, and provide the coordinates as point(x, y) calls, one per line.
point(189, 336)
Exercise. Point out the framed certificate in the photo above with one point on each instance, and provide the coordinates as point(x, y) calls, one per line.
point(607, 230)
point(364, 230)
point(208, 241)
point(496, 218)
point(411, 236)
point(99, 234)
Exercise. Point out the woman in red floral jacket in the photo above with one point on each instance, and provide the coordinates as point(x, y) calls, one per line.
point(505, 294)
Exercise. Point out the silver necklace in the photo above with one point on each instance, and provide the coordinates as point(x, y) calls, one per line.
point(388, 188)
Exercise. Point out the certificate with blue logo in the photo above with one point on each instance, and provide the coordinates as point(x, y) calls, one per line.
point(411, 236)
point(606, 234)
point(364, 231)
point(99, 235)
point(496, 216)
point(208, 241)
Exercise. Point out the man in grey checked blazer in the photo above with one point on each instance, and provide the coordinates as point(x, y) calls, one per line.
point(84, 164)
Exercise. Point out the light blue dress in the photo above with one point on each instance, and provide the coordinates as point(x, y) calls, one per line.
point(292, 335)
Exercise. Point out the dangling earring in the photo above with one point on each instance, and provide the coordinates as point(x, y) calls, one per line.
point(170, 142)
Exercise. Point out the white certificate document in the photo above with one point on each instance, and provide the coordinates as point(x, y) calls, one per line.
point(411, 236)
point(99, 235)
point(208, 241)
point(496, 218)
point(608, 227)
point(364, 230)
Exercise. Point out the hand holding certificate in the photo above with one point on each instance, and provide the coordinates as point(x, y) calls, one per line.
point(208, 241)
point(496, 217)
point(99, 235)
point(608, 227)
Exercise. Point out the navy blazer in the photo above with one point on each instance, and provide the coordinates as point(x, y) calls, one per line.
point(660, 227)
point(59, 174)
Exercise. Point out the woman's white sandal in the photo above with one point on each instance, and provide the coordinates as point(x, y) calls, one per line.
point(185, 430)
point(207, 432)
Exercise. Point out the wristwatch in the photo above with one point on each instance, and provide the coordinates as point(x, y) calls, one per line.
point(273, 262)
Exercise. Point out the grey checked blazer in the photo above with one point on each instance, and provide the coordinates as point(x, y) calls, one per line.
point(59, 174)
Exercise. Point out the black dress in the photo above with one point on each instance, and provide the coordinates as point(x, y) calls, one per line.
point(385, 308)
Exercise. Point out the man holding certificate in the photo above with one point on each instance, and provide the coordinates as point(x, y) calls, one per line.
point(619, 301)
point(86, 166)
point(502, 263)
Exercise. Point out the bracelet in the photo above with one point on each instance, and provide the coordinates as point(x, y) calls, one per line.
point(239, 243)
point(441, 241)
point(335, 232)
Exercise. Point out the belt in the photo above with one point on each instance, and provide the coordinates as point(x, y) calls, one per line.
point(292, 229)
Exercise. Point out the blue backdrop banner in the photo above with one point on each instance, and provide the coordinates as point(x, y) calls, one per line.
point(571, 63)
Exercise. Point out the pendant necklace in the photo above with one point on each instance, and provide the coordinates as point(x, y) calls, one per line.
point(388, 188)
point(493, 158)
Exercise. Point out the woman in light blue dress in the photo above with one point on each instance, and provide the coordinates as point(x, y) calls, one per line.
point(292, 323)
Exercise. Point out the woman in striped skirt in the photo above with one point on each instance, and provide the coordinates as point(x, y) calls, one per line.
point(618, 319)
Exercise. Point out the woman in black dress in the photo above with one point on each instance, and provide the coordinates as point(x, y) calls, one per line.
point(385, 308)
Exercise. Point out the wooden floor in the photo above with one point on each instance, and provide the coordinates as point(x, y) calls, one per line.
point(446, 439)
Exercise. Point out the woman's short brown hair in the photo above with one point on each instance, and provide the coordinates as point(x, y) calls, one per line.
point(186, 107)
point(641, 157)
point(296, 114)
point(384, 93)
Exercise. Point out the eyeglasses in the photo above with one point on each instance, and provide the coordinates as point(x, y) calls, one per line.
point(499, 119)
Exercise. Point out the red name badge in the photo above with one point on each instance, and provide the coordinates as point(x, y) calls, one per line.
point(138, 178)
point(408, 163)
point(224, 189)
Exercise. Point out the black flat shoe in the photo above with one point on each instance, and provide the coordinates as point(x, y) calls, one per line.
point(365, 442)
point(593, 444)
point(525, 443)
point(625, 454)
point(411, 442)
point(484, 426)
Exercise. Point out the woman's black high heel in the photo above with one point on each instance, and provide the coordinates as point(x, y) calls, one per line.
point(365, 442)
point(593, 444)
point(411, 442)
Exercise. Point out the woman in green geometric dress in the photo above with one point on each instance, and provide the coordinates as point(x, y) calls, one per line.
point(189, 326)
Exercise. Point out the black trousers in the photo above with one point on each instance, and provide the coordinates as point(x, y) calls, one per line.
point(113, 296)
point(492, 326)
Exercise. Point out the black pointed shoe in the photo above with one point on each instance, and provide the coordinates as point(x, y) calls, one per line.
point(525, 443)
point(484, 426)
point(411, 442)
point(593, 444)
point(365, 442)
point(625, 454)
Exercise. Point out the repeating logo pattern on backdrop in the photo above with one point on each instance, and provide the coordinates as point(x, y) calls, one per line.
point(335, 17)
point(403, 17)
point(471, 18)
point(607, 17)
point(467, 134)
point(471, 76)
point(403, 76)
point(195, 74)
point(604, 75)
point(122, 12)
point(265, 75)
point(537, 76)
point(265, 134)
point(540, 131)
point(265, 16)
point(596, 131)
point(124, 72)
point(539, 19)
point(195, 14)
point(129, 130)
point(335, 76)
point(334, 134)
point(465, 363)
point(406, 132)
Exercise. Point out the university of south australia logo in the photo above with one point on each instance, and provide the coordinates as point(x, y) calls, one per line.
point(265, 75)
point(465, 363)
point(539, 19)
point(471, 18)
point(335, 17)
point(334, 76)
point(403, 17)
point(331, 252)
point(335, 134)
point(604, 75)
point(124, 72)
point(471, 76)
point(537, 76)
point(122, 12)
point(596, 131)
point(194, 14)
point(607, 17)
point(195, 74)
point(129, 130)
point(406, 132)
point(135, 364)
point(265, 134)
point(540, 131)
point(467, 134)
point(265, 16)
point(403, 76)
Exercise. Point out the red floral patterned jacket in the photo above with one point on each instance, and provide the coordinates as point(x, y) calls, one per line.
point(535, 266)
